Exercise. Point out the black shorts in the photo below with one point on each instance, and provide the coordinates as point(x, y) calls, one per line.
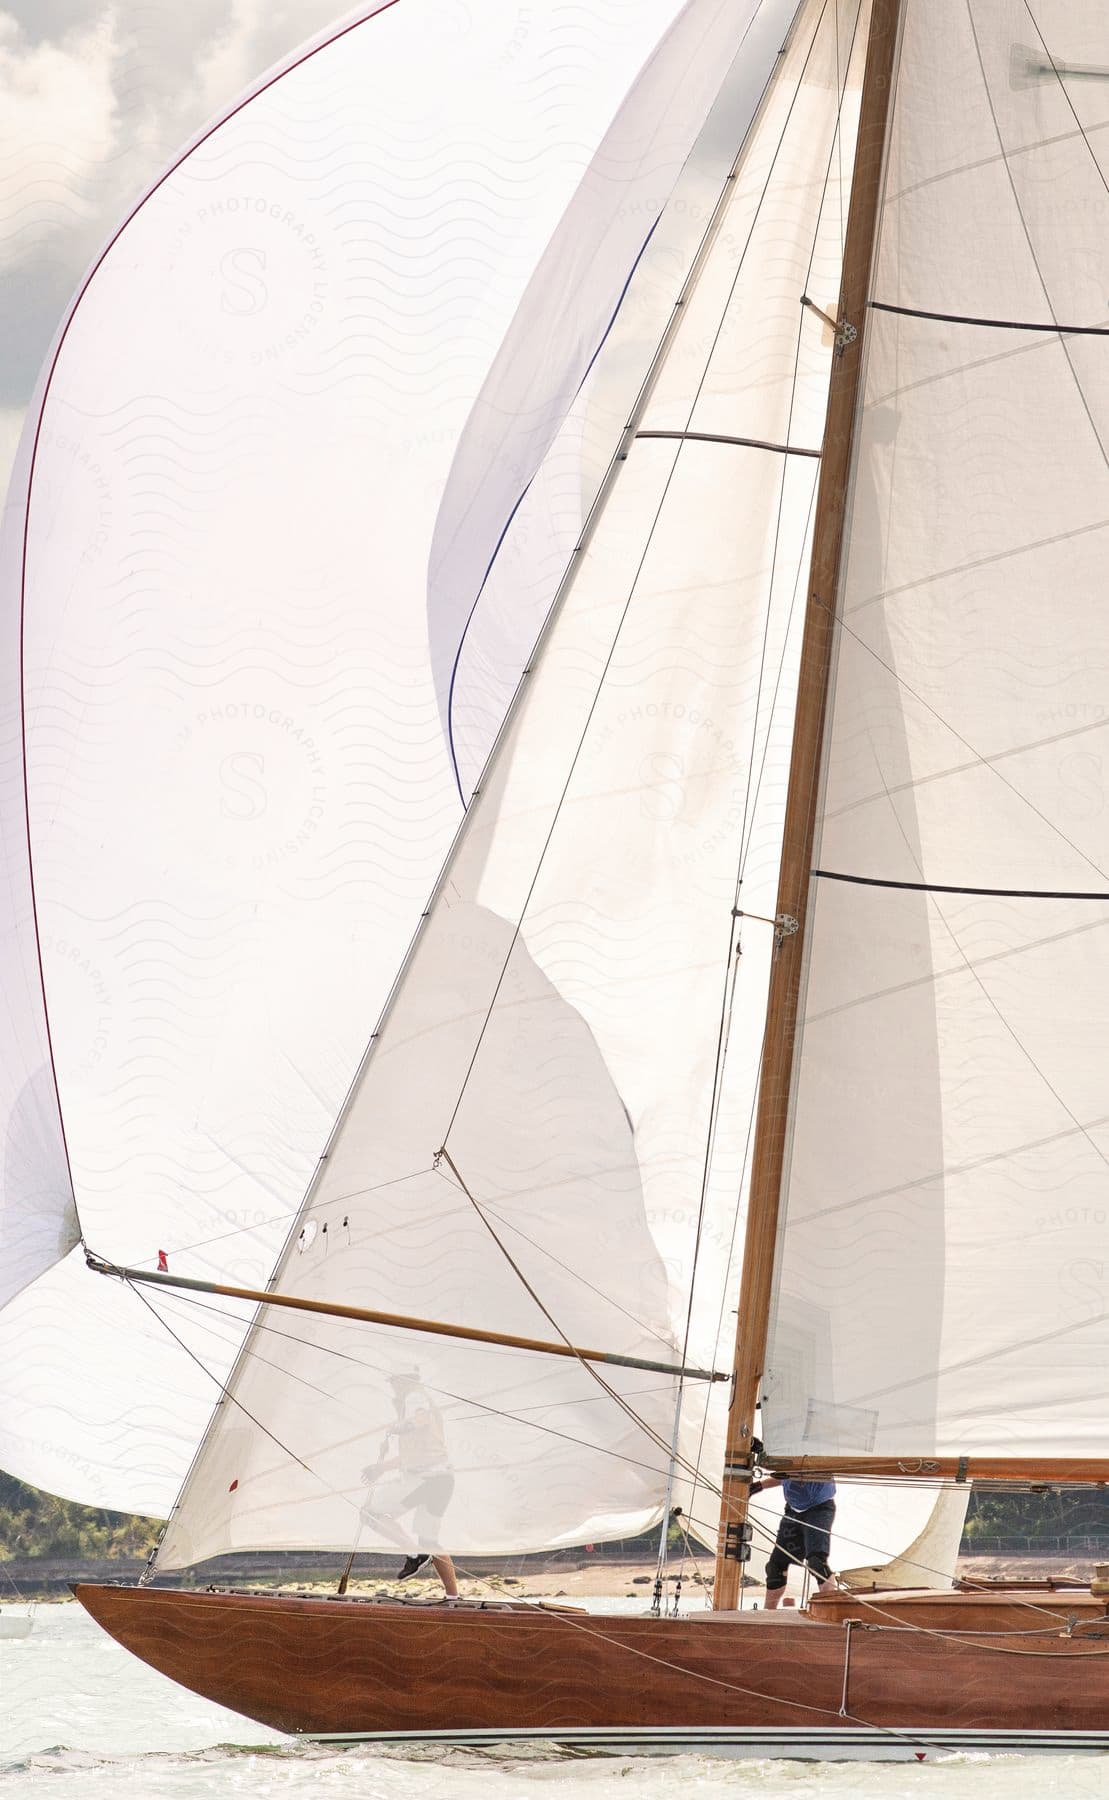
point(803, 1537)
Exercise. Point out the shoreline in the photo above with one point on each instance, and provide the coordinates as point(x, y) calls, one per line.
point(592, 1577)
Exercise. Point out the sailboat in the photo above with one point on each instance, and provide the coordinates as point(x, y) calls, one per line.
point(693, 500)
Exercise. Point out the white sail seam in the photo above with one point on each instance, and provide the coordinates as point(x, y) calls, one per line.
point(938, 975)
point(1075, 377)
point(977, 562)
point(951, 1171)
point(983, 761)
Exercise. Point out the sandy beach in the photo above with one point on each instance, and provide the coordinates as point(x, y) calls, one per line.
point(594, 1578)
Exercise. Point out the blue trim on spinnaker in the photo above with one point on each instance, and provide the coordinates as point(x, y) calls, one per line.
point(520, 501)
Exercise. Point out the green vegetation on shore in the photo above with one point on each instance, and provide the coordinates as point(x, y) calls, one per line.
point(37, 1524)
point(1083, 1512)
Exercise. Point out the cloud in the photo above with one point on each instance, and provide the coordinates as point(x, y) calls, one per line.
point(11, 424)
point(95, 99)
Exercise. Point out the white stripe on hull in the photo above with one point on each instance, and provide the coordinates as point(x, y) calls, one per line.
point(797, 1743)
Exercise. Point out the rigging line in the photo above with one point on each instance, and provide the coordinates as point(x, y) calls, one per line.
point(648, 1330)
point(747, 1147)
point(748, 802)
point(1065, 91)
point(744, 443)
point(284, 1218)
point(186, 1299)
point(985, 762)
point(968, 1167)
point(226, 1394)
point(969, 1639)
point(986, 1356)
point(324, 1349)
point(799, 572)
point(557, 810)
point(690, 1562)
point(1059, 73)
point(841, 89)
point(1064, 344)
point(751, 799)
point(518, 1417)
point(1082, 1129)
point(731, 966)
point(942, 318)
point(939, 887)
point(752, 790)
point(855, 1544)
point(971, 567)
point(519, 501)
point(620, 623)
point(919, 783)
point(977, 977)
point(591, 1370)
point(917, 1739)
point(816, 771)
point(1052, 1616)
point(728, 997)
point(935, 976)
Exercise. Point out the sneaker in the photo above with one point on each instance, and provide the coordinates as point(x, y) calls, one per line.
point(411, 1565)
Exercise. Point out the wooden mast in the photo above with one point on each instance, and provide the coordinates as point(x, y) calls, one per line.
point(801, 802)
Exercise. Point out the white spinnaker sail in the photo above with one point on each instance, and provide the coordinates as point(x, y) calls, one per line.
point(38, 1220)
point(886, 1534)
point(941, 1280)
point(240, 786)
point(556, 1028)
point(928, 1561)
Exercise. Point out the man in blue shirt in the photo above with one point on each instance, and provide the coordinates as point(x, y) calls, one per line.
point(804, 1534)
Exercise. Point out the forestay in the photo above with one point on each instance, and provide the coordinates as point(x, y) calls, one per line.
point(556, 1030)
point(240, 782)
point(941, 1277)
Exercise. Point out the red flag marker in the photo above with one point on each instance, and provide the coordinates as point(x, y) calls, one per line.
point(163, 1263)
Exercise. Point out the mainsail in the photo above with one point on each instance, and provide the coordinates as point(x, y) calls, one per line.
point(944, 1240)
point(541, 1134)
point(239, 784)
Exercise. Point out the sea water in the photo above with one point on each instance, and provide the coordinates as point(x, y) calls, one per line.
point(81, 1718)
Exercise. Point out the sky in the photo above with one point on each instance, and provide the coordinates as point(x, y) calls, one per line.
point(95, 98)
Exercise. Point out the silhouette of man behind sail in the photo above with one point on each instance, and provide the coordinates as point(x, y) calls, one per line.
point(412, 1480)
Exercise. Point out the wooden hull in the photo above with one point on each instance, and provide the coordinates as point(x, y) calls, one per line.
point(873, 1682)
